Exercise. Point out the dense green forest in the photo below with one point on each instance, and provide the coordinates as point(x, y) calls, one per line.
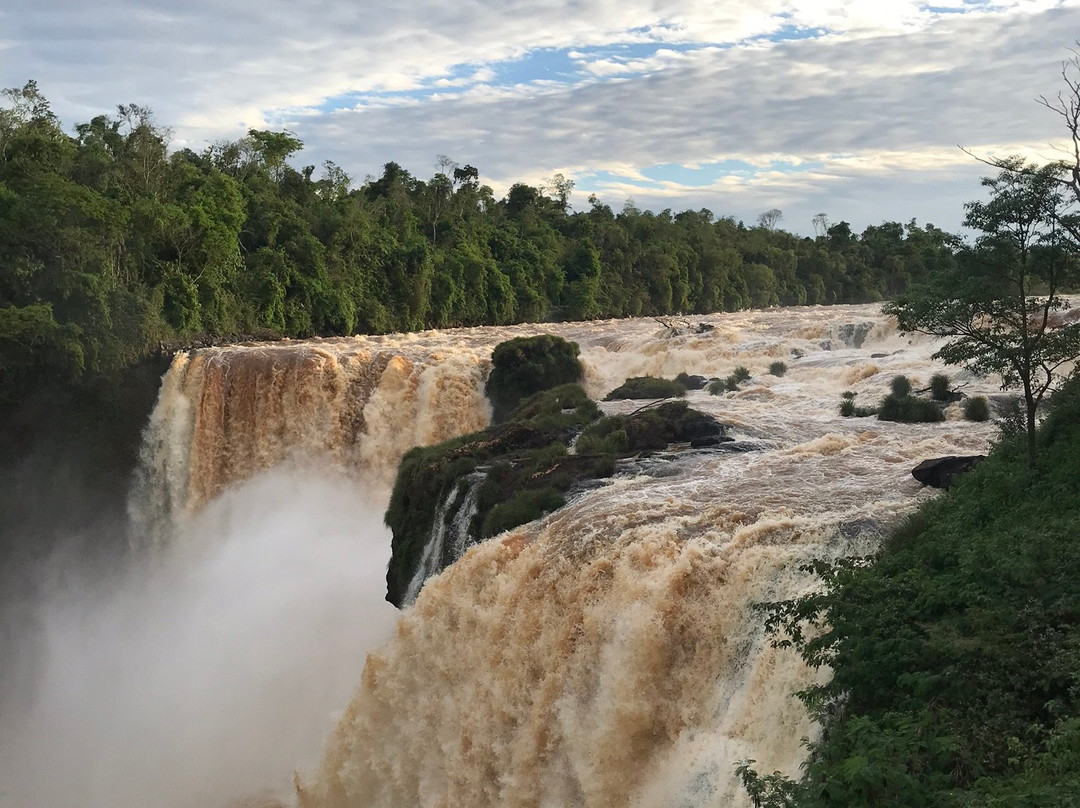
point(112, 244)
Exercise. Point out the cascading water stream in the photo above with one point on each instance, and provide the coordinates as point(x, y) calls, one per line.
point(450, 531)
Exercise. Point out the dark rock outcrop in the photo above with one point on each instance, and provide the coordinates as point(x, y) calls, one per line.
point(694, 382)
point(853, 335)
point(939, 472)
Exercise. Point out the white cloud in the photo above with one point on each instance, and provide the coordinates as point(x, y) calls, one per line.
point(892, 85)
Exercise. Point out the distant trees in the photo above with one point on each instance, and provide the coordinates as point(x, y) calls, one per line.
point(770, 218)
point(112, 242)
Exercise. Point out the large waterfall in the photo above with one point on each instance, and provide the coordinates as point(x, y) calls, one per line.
point(609, 654)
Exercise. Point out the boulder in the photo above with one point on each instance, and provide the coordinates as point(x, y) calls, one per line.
point(939, 472)
point(853, 335)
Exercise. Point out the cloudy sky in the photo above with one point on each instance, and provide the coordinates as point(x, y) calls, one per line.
point(854, 109)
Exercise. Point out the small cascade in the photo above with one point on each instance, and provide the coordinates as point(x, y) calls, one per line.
point(459, 533)
point(450, 531)
point(431, 560)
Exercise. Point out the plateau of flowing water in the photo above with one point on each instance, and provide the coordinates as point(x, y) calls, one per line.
point(606, 655)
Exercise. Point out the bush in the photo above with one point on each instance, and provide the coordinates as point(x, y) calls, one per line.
point(650, 430)
point(731, 383)
point(527, 365)
point(646, 387)
point(524, 507)
point(566, 405)
point(848, 408)
point(777, 369)
point(900, 386)
point(606, 436)
point(739, 375)
point(909, 409)
point(939, 387)
point(977, 409)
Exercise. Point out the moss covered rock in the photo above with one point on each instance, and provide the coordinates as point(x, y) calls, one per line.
point(646, 387)
point(450, 496)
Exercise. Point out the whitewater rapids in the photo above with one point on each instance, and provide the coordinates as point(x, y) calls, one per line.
point(607, 655)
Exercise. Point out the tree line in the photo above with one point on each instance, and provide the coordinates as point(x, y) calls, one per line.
point(111, 244)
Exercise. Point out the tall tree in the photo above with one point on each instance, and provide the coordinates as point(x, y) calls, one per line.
point(999, 304)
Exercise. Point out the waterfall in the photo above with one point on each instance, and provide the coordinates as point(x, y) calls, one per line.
point(226, 414)
point(609, 654)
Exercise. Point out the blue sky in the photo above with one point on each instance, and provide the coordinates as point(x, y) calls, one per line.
point(855, 109)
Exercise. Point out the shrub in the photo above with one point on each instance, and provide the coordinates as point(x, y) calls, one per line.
point(977, 409)
point(848, 408)
point(566, 405)
point(646, 387)
point(527, 365)
point(650, 430)
point(939, 387)
point(521, 508)
point(740, 374)
point(909, 409)
point(777, 368)
point(606, 436)
point(900, 387)
point(731, 383)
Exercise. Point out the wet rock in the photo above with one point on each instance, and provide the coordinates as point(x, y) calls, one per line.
point(695, 382)
point(710, 441)
point(939, 472)
point(853, 335)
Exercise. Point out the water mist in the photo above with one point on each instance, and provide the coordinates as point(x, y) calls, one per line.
point(208, 670)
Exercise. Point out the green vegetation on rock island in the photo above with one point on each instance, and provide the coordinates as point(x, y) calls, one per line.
point(521, 467)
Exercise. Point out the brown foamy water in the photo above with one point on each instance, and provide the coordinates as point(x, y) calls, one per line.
point(610, 654)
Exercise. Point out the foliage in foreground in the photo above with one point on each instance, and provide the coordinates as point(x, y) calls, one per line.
point(956, 672)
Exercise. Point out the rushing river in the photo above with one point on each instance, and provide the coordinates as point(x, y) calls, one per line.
point(607, 655)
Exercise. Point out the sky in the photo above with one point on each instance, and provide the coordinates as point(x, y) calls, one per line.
point(854, 109)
